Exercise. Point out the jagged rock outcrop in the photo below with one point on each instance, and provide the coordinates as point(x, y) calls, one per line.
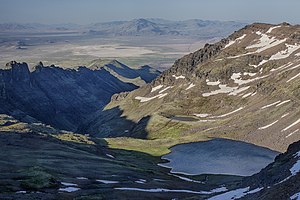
point(63, 98)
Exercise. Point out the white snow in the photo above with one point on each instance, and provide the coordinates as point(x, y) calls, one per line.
point(178, 77)
point(190, 86)
point(262, 62)
point(107, 181)
point(21, 192)
point(156, 190)
point(292, 133)
point(296, 76)
point(295, 196)
point(156, 88)
point(239, 90)
point(284, 115)
point(295, 168)
point(81, 178)
point(212, 83)
point(225, 115)
point(236, 77)
point(69, 189)
point(145, 99)
point(235, 194)
point(269, 105)
point(285, 53)
point(282, 67)
point(202, 115)
point(111, 156)
point(265, 42)
point(247, 95)
point(163, 95)
point(286, 101)
point(223, 89)
point(253, 94)
point(272, 28)
point(234, 41)
point(187, 179)
point(141, 181)
point(267, 126)
point(290, 126)
point(68, 184)
point(249, 74)
point(169, 87)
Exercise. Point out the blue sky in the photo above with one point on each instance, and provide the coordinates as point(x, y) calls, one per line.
point(92, 11)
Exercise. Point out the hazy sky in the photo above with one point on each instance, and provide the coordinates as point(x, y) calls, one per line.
point(91, 11)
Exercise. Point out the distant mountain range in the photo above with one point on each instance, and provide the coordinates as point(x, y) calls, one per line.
point(137, 27)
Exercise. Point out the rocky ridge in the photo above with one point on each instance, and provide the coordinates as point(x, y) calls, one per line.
point(63, 98)
point(244, 87)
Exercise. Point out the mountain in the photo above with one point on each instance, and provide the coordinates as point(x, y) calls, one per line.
point(60, 97)
point(160, 27)
point(245, 87)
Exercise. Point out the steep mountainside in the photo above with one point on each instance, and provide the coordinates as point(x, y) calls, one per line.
point(63, 98)
point(244, 87)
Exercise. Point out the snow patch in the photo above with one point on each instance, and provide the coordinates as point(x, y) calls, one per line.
point(145, 99)
point(269, 105)
point(234, 41)
point(68, 184)
point(267, 126)
point(296, 76)
point(212, 82)
point(190, 86)
point(81, 178)
point(285, 53)
point(187, 179)
point(282, 67)
point(295, 196)
point(156, 88)
point(292, 133)
point(21, 192)
point(69, 189)
point(290, 126)
point(295, 168)
point(107, 181)
point(202, 115)
point(247, 95)
point(178, 77)
point(286, 114)
point(158, 190)
point(272, 28)
point(225, 115)
point(111, 156)
point(249, 74)
point(235, 194)
point(286, 101)
point(169, 87)
point(265, 42)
